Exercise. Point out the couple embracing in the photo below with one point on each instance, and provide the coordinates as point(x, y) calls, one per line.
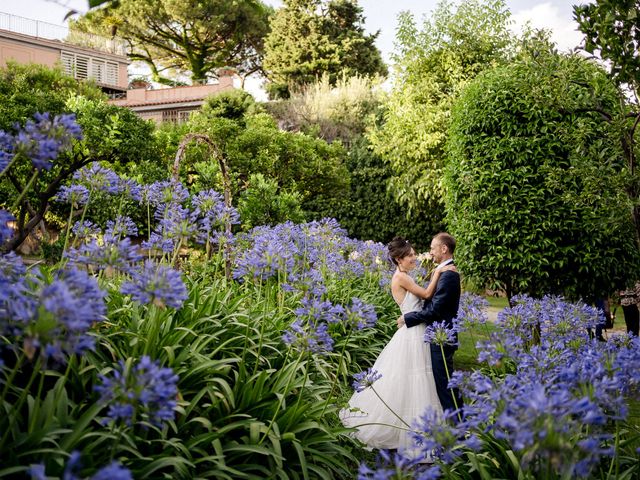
point(413, 373)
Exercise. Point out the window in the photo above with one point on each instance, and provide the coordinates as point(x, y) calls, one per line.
point(83, 67)
point(176, 116)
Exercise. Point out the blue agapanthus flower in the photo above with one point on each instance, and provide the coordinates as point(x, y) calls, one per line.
point(45, 137)
point(365, 379)
point(439, 333)
point(156, 284)
point(307, 336)
point(143, 391)
point(98, 178)
point(55, 314)
point(6, 232)
point(113, 471)
point(75, 195)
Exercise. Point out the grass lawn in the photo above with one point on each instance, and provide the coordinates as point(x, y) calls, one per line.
point(465, 357)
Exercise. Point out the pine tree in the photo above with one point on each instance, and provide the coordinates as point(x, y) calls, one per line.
point(309, 38)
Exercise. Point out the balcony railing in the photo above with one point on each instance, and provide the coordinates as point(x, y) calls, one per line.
point(50, 31)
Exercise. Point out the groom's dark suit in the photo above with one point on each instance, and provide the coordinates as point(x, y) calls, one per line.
point(442, 306)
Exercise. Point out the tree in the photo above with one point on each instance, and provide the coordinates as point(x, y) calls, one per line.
point(193, 37)
point(535, 181)
point(612, 30)
point(432, 65)
point(369, 212)
point(309, 38)
point(111, 134)
point(297, 163)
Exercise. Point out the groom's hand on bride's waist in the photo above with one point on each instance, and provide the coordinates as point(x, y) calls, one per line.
point(400, 321)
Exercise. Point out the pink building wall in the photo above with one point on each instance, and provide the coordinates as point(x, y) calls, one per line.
point(27, 49)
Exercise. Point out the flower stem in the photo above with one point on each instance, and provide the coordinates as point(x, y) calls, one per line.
point(335, 379)
point(446, 369)
point(25, 190)
point(281, 399)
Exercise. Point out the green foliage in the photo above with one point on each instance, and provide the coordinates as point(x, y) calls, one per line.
point(370, 212)
point(332, 112)
point(432, 65)
point(231, 104)
point(110, 134)
point(536, 181)
point(249, 406)
point(309, 38)
point(193, 36)
point(296, 162)
point(28, 89)
point(612, 28)
point(263, 203)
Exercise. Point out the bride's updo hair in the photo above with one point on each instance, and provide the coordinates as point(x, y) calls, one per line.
point(399, 248)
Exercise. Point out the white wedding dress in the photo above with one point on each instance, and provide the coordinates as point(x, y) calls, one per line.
point(406, 386)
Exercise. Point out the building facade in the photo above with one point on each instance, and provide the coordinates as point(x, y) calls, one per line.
point(82, 56)
point(103, 60)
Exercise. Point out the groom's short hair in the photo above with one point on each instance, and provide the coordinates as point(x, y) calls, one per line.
point(447, 240)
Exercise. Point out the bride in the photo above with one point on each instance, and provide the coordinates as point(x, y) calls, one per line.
point(383, 413)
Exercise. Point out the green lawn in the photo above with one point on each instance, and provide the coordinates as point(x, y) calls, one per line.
point(465, 358)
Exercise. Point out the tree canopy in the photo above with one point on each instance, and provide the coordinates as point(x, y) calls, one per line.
point(194, 37)
point(536, 181)
point(309, 38)
point(433, 62)
point(612, 29)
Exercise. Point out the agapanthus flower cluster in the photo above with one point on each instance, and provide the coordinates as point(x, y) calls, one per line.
point(141, 391)
point(155, 284)
point(95, 177)
point(395, 466)
point(6, 232)
point(317, 310)
point(175, 224)
point(273, 252)
point(555, 404)
point(365, 379)
point(308, 336)
point(310, 283)
point(119, 228)
point(289, 250)
point(110, 253)
point(167, 192)
point(441, 333)
point(360, 315)
point(210, 215)
point(6, 150)
point(53, 313)
point(530, 320)
point(113, 471)
point(75, 195)
point(443, 436)
point(85, 229)
point(41, 139)
point(472, 310)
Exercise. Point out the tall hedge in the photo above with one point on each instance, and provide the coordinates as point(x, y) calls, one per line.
point(371, 213)
point(535, 181)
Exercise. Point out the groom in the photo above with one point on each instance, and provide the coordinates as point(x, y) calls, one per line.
point(443, 306)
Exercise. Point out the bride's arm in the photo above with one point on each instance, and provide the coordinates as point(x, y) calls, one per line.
point(409, 283)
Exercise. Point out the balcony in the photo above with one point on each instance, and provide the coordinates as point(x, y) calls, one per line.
point(49, 31)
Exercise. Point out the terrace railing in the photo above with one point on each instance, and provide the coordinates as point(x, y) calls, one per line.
point(50, 31)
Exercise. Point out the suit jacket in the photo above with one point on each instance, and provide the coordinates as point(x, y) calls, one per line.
point(442, 306)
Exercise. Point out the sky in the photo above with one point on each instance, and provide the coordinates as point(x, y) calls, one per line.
point(380, 15)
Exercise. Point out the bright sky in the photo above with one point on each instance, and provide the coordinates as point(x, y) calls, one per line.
point(555, 15)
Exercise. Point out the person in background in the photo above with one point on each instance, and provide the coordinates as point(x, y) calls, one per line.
point(629, 300)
